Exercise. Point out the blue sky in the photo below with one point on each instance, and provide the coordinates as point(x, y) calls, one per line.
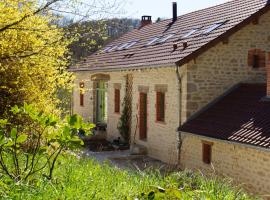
point(163, 8)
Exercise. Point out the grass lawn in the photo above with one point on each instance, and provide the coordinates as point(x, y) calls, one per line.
point(87, 179)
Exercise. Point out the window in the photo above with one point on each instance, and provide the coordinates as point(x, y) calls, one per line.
point(107, 49)
point(117, 100)
point(111, 49)
point(160, 106)
point(190, 33)
point(81, 94)
point(152, 41)
point(121, 47)
point(256, 58)
point(213, 27)
point(165, 38)
point(207, 152)
point(131, 44)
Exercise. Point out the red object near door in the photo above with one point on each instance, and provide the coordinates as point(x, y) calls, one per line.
point(143, 116)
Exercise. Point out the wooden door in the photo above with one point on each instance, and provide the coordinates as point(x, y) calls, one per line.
point(143, 116)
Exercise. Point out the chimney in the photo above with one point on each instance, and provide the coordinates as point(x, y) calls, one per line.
point(268, 77)
point(146, 20)
point(174, 12)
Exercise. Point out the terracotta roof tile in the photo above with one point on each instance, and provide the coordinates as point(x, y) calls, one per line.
point(241, 116)
point(236, 12)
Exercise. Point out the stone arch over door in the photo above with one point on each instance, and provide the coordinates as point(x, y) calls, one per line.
point(97, 78)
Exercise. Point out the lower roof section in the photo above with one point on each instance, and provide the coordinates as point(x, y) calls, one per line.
point(242, 116)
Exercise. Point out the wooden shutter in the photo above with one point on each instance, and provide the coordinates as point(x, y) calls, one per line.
point(256, 58)
point(117, 100)
point(160, 106)
point(207, 153)
point(81, 94)
point(81, 99)
point(143, 116)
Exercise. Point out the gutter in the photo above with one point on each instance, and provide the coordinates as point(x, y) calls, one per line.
point(117, 69)
point(179, 115)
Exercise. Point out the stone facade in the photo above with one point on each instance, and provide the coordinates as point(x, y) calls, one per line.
point(203, 80)
point(225, 65)
point(161, 140)
point(247, 165)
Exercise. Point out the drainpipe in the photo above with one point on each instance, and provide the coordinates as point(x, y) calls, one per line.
point(179, 115)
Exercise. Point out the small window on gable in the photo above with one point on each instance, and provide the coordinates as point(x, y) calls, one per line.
point(117, 100)
point(160, 107)
point(213, 27)
point(207, 152)
point(81, 94)
point(256, 58)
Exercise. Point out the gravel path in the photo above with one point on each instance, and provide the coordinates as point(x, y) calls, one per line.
point(123, 159)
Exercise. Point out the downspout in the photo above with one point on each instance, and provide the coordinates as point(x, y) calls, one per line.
point(179, 115)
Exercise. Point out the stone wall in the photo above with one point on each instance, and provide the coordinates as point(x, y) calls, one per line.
point(162, 137)
point(247, 165)
point(225, 65)
point(85, 111)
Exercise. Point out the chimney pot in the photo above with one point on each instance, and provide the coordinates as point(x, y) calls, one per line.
point(174, 12)
point(146, 20)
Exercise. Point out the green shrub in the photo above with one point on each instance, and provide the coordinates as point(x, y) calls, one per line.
point(32, 150)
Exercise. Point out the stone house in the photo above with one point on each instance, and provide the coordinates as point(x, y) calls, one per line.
point(195, 86)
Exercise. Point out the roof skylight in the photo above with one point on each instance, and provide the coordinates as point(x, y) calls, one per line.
point(113, 48)
point(127, 45)
point(152, 41)
point(165, 38)
point(131, 44)
point(106, 49)
point(190, 33)
point(123, 46)
point(213, 27)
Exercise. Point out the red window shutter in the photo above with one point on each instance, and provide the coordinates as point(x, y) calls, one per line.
point(81, 94)
point(143, 116)
point(160, 106)
point(256, 58)
point(116, 100)
point(207, 153)
point(81, 99)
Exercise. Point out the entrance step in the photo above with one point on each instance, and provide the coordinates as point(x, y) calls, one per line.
point(137, 149)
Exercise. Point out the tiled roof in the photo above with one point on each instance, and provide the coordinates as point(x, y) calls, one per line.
point(237, 12)
point(241, 116)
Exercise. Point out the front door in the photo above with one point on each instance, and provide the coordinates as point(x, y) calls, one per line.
point(101, 102)
point(143, 116)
